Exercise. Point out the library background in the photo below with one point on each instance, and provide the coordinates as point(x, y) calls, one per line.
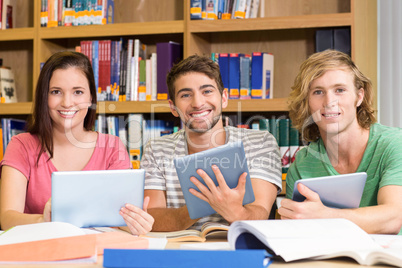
point(132, 44)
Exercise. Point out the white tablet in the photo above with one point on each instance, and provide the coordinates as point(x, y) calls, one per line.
point(232, 162)
point(338, 191)
point(94, 198)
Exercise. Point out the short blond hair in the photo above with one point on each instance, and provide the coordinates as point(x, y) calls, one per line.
point(311, 69)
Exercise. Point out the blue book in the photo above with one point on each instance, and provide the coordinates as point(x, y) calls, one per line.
point(256, 75)
point(195, 9)
point(245, 65)
point(12, 127)
point(95, 62)
point(234, 75)
point(110, 12)
point(224, 68)
point(221, 8)
point(119, 258)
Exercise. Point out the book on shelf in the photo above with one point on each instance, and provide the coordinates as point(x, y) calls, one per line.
point(142, 87)
point(284, 149)
point(245, 70)
point(212, 9)
point(208, 230)
point(234, 75)
point(134, 124)
point(314, 239)
point(223, 9)
point(56, 13)
point(154, 76)
point(255, 5)
point(195, 9)
point(11, 127)
point(168, 53)
point(8, 14)
point(334, 38)
point(228, 10)
point(294, 142)
point(262, 75)
point(59, 241)
point(224, 69)
point(342, 40)
point(239, 9)
point(8, 91)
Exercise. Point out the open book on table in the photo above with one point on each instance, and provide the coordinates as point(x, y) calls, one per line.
point(58, 241)
point(208, 230)
point(314, 239)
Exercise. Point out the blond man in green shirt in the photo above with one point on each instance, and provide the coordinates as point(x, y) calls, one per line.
point(331, 105)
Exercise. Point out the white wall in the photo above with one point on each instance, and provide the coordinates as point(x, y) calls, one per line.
point(390, 62)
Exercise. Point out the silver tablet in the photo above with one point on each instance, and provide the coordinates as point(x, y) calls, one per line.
point(338, 191)
point(232, 162)
point(94, 198)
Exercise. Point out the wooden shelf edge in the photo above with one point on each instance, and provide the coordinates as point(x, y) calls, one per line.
point(117, 29)
point(112, 107)
point(267, 105)
point(271, 23)
point(17, 34)
point(19, 108)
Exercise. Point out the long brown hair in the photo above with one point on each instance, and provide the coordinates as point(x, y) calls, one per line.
point(40, 123)
point(314, 67)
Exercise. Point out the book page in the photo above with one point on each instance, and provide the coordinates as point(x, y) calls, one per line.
point(184, 235)
point(300, 239)
point(214, 230)
point(39, 231)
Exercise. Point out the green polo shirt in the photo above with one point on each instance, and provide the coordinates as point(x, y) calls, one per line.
point(382, 161)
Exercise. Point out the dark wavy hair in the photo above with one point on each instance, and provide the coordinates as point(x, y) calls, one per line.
point(197, 64)
point(40, 123)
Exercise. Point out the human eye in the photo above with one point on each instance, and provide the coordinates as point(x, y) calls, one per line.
point(185, 95)
point(78, 92)
point(340, 90)
point(317, 92)
point(55, 92)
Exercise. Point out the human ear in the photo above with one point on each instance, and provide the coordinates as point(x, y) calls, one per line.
point(224, 98)
point(360, 97)
point(173, 108)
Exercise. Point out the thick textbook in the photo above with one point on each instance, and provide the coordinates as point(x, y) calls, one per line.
point(58, 241)
point(208, 230)
point(185, 258)
point(315, 239)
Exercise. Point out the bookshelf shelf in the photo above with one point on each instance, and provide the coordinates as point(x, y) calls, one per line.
point(17, 34)
point(19, 108)
point(112, 107)
point(118, 29)
point(271, 23)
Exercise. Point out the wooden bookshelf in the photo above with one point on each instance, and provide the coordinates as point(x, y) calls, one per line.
point(287, 31)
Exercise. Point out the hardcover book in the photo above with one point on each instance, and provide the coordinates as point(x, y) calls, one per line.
point(7, 85)
point(168, 54)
